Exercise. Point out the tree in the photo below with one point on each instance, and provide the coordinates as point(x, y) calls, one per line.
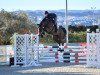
point(11, 22)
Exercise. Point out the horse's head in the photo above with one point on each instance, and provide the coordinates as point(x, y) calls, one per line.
point(42, 25)
point(46, 25)
point(44, 22)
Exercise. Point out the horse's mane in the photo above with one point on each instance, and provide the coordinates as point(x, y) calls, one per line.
point(44, 20)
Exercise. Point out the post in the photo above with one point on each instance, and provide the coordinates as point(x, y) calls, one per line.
point(66, 23)
point(15, 62)
point(87, 52)
point(93, 9)
point(25, 48)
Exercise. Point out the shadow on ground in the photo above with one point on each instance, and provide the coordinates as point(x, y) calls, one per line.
point(7, 70)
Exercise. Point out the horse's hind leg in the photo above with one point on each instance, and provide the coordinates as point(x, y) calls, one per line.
point(61, 49)
point(62, 44)
point(43, 32)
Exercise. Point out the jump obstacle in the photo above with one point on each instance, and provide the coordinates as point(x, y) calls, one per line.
point(26, 50)
point(93, 49)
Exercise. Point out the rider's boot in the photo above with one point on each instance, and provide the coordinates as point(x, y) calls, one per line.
point(55, 27)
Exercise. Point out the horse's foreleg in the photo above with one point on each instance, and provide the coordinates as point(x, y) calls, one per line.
point(59, 44)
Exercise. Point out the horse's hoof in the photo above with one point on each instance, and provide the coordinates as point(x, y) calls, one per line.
point(41, 36)
point(61, 50)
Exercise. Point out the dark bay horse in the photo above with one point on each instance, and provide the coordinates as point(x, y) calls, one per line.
point(46, 25)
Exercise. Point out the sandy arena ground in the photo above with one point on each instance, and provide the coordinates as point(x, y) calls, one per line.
point(50, 69)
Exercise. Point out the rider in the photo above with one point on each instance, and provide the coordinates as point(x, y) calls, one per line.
point(52, 17)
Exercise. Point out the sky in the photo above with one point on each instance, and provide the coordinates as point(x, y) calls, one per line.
point(13, 5)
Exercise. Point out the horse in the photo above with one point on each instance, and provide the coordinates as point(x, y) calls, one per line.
point(47, 25)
